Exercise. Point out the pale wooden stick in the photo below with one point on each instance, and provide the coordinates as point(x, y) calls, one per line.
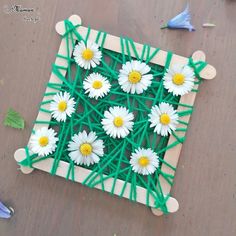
point(172, 154)
point(82, 173)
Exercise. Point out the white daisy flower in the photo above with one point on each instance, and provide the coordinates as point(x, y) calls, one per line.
point(88, 55)
point(179, 79)
point(164, 118)
point(43, 142)
point(118, 122)
point(62, 106)
point(134, 77)
point(144, 161)
point(96, 85)
point(85, 149)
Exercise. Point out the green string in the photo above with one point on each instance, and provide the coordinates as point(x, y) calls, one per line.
point(115, 162)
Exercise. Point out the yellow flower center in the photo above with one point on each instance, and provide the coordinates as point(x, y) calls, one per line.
point(178, 79)
point(43, 141)
point(87, 54)
point(134, 77)
point(86, 149)
point(143, 161)
point(118, 121)
point(97, 84)
point(165, 119)
point(62, 105)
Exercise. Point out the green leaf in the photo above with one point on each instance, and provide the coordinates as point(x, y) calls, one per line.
point(14, 119)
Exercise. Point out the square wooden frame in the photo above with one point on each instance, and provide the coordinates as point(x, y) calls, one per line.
point(171, 156)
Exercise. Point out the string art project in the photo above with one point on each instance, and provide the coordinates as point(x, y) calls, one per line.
point(114, 115)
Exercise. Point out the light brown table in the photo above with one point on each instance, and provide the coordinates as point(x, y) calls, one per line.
point(205, 183)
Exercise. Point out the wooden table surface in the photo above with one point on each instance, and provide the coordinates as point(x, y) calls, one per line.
point(205, 183)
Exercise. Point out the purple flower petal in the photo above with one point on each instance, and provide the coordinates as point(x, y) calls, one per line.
point(4, 211)
point(181, 21)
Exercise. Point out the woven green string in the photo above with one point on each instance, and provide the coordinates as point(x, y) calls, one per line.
point(115, 163)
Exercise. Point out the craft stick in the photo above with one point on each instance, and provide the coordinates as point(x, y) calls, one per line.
point(82, 173)
point(172, 154)
point(113, 43)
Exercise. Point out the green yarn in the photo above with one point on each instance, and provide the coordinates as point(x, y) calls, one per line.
point(115, 162)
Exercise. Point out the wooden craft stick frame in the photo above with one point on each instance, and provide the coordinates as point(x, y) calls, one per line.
point(171, 156)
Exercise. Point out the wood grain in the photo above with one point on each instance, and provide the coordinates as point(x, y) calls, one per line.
point(205, 181)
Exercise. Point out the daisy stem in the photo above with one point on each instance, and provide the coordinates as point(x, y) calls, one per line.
point(164, 26)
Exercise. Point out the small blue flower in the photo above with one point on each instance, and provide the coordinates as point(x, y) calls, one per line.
point(181, 21)
point(5, 212)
